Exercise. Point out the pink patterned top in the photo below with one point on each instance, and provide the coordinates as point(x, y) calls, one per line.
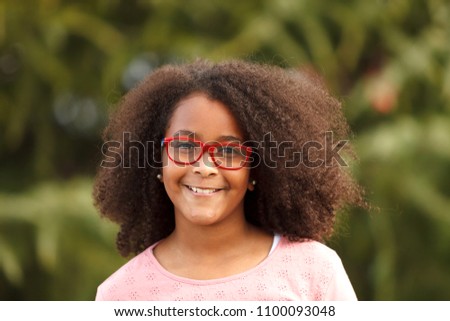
point(293, 271)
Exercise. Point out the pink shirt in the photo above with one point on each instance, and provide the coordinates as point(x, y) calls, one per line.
point(293, 271)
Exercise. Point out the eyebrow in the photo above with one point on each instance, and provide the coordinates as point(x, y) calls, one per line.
point(222, 138)
point(228, 138)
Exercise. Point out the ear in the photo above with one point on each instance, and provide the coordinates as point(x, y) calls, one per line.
point(251, 185)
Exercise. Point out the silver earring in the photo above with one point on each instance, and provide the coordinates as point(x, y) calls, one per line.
point(253, 182)
point(159, 177)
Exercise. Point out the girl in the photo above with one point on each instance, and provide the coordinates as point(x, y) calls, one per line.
point(221, 178)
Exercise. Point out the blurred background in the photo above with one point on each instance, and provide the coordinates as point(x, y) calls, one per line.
point(64, 63)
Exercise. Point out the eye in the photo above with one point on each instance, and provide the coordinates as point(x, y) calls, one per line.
point(228, 151)
point(183, 144)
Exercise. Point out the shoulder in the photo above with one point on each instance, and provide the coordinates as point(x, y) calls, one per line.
point(318, 266)
point(127, 276)
point(308, 251)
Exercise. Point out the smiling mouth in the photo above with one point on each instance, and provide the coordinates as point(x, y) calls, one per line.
point(199, 190)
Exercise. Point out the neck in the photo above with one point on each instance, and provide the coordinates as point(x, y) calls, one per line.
point(213, 251)
point(210, 240)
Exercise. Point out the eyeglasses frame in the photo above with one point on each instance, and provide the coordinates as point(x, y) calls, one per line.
point(208, 147)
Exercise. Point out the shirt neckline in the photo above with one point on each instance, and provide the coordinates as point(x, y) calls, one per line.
point(272, 254)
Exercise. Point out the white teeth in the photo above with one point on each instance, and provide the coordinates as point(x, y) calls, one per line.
point(202, 190)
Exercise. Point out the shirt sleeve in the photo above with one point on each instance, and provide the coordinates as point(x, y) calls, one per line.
point(340, 287)
point(99, 295)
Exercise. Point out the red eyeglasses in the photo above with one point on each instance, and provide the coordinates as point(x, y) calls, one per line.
point(186, 151)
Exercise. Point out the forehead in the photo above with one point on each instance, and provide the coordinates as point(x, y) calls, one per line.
point(208, 119)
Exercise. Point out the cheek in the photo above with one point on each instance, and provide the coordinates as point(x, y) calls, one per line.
point(172, 174)
point(171, 181)
point(240, 179)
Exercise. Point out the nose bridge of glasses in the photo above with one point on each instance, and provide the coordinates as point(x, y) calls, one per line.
point(204, 150)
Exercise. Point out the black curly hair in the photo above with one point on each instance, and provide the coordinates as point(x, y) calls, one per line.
point(299, 201)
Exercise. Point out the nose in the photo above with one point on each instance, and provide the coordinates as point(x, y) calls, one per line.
point(205, 166)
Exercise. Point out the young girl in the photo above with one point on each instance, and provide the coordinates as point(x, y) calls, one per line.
point(221, 178)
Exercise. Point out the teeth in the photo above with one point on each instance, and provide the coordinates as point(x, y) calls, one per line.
point(202, 190)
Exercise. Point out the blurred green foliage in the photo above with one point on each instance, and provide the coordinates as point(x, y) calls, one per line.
point(52, 244)
point(64, 62)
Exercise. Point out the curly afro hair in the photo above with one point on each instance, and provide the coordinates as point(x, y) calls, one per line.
point(296, 199)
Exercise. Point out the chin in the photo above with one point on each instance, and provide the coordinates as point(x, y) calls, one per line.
point(204, 218)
